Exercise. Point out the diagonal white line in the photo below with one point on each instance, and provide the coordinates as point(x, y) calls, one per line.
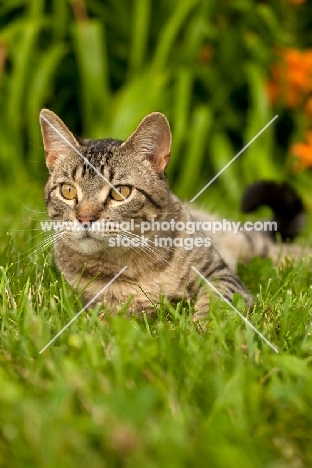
point(237, 312)
point(82, 310)
point(232, 160)
point(80, 154)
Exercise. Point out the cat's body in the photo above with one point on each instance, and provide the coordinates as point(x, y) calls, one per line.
point(76, 192)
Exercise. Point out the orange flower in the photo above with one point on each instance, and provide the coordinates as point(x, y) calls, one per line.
point(291, 78)
point(308, 107)
point(297, 2)
point(292, 56)
point(292, 96)
point(308, 58)
point(272, 91)
point(303, 153)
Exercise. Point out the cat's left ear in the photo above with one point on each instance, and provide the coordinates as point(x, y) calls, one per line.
point(152, 139)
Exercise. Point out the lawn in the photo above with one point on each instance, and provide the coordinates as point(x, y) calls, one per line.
point(147, 393)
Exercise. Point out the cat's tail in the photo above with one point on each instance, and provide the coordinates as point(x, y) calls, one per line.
point(288, 209)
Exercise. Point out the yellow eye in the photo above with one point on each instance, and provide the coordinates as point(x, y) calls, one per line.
point(121, 192)
point(68, 191)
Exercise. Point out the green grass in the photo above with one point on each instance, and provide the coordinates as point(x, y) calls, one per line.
point(155, 393)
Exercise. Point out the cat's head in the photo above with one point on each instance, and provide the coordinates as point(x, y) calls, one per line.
point(91, 181)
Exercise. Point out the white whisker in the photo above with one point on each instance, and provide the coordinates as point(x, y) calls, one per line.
point(30, 209)
point(154, 250)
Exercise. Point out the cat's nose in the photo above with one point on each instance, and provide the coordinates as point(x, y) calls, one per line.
point(86, 218)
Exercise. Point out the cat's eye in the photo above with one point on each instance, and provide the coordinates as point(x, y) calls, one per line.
point(68, 191)
point(120, 193)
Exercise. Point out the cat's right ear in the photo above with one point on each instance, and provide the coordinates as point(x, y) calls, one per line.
point(57, 139)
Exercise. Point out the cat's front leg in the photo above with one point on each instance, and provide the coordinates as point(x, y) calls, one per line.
point(132, 307)
point(216, 278)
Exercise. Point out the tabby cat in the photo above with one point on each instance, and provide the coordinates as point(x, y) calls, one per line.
point(91, 181)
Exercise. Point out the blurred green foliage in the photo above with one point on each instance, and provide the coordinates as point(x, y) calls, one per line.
point(102, 65)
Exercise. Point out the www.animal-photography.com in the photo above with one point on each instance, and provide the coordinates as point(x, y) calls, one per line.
point(155, 235)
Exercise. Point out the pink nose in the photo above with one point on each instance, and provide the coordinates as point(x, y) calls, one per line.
point(86, 218)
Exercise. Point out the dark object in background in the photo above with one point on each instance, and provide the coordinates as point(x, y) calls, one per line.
point(289, 211)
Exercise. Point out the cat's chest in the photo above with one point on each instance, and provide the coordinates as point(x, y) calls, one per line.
point(94, 274)
point(103, 266)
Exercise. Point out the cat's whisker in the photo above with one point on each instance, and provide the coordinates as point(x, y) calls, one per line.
point(138, 236)
point(36, 235)
point(149, 241)
point(30, 209)
point(155, 251)
point(35, 146)
point(169, 212)
point(36, 250)
point(140, 249)
point(41, 220)
point(34, 255)
point(26, 230)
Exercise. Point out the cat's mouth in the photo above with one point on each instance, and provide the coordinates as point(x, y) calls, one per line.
point(86, 242)
point(88, 234)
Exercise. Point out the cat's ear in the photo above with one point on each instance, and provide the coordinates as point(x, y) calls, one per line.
point(57, 139)
point(152, 139)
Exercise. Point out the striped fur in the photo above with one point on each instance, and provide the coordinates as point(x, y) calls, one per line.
point(87, 260)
